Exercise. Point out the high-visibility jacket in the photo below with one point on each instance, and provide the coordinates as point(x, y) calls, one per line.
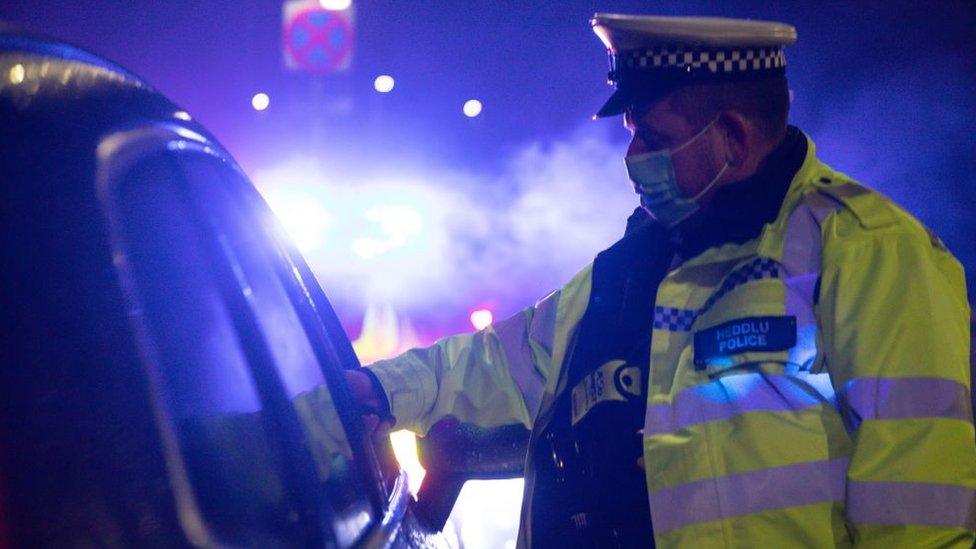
point(809, 387)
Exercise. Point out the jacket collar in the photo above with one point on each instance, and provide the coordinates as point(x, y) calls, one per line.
point(739, 212)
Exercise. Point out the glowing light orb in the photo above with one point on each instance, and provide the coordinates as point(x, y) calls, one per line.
point(472, 108)
point(384, 83)
point(260, 101)
point(481, 319)
point(17, 74)
point(335, 5)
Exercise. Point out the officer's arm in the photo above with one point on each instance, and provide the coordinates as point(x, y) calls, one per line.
point(494, 377)
point(895, 326)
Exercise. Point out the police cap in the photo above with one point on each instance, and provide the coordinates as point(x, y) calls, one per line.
point(651, 55)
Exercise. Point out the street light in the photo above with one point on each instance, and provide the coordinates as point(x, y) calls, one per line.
point(472, 108)
point(384, 83)
point(260, 101)
point(335, 5)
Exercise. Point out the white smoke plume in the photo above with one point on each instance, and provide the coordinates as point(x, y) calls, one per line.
point(435, 243)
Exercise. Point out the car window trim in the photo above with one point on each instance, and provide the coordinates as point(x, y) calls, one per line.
point(299, 466)
point(385, 532)
point(116, 154)
point(319, 320)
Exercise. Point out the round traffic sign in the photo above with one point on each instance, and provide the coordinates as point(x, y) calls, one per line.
point(319, 40)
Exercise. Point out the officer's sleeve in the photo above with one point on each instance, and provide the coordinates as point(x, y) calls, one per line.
point(895, 324)
point(491, 378)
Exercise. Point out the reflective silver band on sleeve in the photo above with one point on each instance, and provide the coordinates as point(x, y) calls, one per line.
point(922, 503)
point(800, 271)
point(903, 398)
point(729, 397)
point(748, 493)
point(514, 334)
point(542, 329)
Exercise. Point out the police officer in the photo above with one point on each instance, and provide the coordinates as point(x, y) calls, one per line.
point(773, 355)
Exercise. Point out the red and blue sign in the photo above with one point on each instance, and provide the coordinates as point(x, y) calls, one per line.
point(317, 39)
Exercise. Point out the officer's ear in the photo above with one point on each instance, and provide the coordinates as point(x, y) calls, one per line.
point(739, 134)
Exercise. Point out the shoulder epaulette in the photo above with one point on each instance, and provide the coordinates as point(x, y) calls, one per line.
point(871, 209)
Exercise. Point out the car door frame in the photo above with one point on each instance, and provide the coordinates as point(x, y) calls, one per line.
point(120, 151)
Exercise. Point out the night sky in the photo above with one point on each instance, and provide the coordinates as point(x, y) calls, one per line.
point(887, 90)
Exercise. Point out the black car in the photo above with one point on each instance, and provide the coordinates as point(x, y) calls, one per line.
point(171, 370)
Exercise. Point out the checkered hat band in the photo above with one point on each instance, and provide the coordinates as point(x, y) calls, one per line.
point(725, 61)
point(681, 320)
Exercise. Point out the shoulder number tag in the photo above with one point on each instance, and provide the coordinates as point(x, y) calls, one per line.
point(756, 333)
point(612, 381)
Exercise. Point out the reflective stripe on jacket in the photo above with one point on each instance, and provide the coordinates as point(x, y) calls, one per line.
point(808, 387)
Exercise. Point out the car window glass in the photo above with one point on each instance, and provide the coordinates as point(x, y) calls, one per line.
point(294, 358)
point(208, 390)
point(169, 214)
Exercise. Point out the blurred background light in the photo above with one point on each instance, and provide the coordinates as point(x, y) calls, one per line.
point(260, 101)
point(483, 514)
point(405, 449)
point(304, 217)
point(396, 224)
point(17, 74)
point(472, 108)
point(335, 5)
point(481, 319)
point(384, 83)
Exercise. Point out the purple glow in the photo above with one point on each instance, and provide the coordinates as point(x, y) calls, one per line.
point(885, 90)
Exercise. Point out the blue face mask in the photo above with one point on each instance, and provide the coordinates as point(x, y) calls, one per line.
point(653, 176)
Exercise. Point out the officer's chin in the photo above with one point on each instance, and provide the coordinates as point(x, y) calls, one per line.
point(675, 226)
point(650, 217)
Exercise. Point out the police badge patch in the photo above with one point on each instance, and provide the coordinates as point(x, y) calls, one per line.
point(764, 334)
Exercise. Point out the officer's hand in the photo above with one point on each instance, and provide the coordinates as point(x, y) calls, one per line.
point(363, 391)
point(366, 395)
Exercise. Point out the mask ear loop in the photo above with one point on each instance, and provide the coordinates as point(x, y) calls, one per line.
point(695, 137)
point(720, 172)
point(712, 184)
